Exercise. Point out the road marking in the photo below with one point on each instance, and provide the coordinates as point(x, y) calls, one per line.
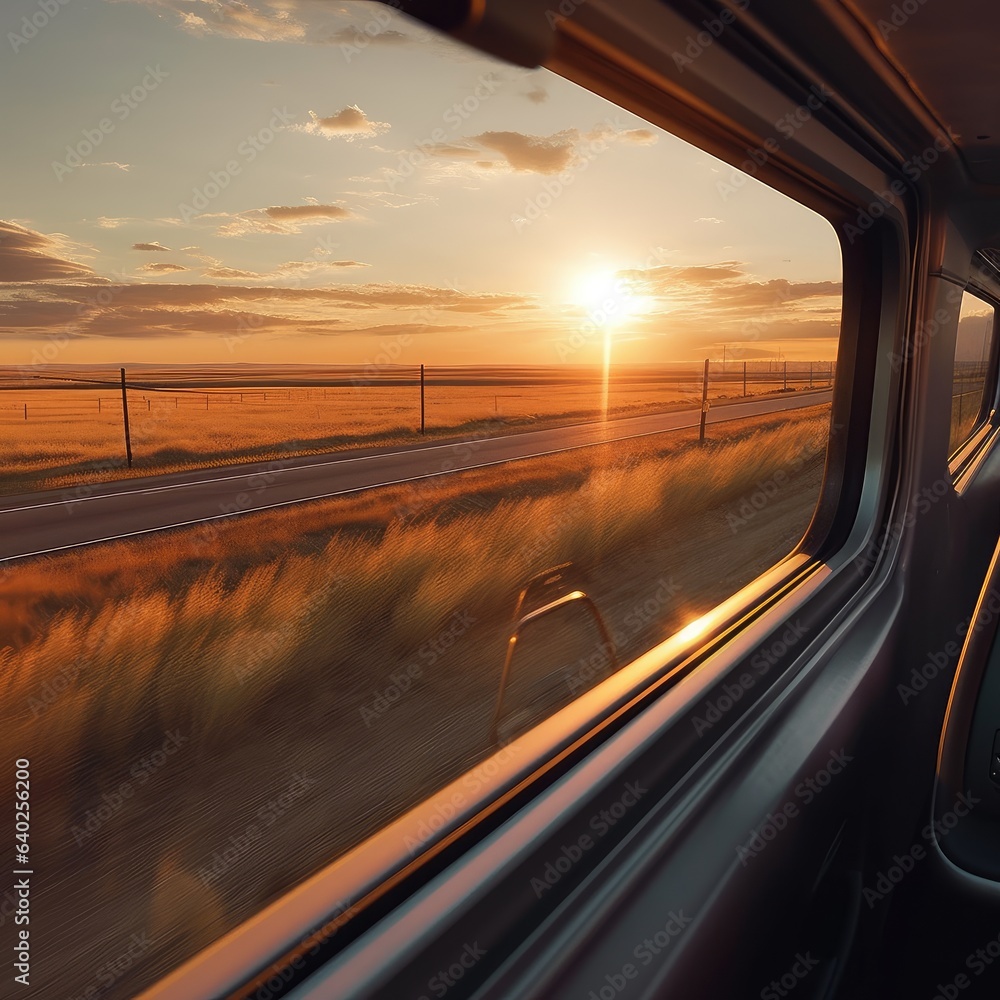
point(336, 493)
point(141, 490)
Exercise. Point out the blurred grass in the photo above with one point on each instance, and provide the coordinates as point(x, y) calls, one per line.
point(264, 635)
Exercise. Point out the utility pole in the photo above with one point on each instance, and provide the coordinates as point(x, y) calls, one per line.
point(704, 403)
point(422, 411)
point(128, 439)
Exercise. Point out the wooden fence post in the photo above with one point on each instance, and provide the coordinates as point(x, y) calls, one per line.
point(128, 439)
point(422, 410)
point(704, 403)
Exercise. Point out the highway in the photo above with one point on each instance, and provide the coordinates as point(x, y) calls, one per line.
point(54, 520)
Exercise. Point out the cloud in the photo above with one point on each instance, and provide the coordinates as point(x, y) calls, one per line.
point(289, 21)
point(116, 222)
point(27, 255)
point(307, 212)
point(540, 154)
point(158, 310)
point(291, 267)
point(349, 123)
point(151, 247)
point(109, 163)
point(231, 273)
point(702, 306)
point(638, 136)
point(162, 268)
point(453, 151)
point(263, 22)
point(318, 265)
point(669, 278)
point(280, 219)
point(725, 286)
point(537, 95)
point(711, 219)
point(356, 35)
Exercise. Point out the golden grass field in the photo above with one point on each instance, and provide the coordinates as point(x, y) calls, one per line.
point(75, 436)
point(260, 645)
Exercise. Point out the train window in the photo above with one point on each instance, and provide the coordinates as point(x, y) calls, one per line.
point(553, 382)
point(973, 347)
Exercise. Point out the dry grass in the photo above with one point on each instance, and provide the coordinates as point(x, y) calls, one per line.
point(67, 441)
point(262, 640)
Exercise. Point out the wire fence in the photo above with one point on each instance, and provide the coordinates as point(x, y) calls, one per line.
point(68, 419)
point(61, 394)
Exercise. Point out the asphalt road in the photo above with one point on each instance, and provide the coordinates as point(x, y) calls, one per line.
point(38, 523)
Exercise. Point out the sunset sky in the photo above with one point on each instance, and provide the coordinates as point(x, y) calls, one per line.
point(295, 181)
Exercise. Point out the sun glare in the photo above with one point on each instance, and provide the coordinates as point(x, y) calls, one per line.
point(607, 297)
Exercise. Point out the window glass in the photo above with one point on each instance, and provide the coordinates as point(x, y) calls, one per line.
point(553, 382)
point(972, 356)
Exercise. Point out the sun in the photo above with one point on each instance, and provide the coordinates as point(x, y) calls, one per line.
point(609, 299)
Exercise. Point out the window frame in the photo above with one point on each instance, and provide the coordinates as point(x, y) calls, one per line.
point(964, 459)
point(820, 583)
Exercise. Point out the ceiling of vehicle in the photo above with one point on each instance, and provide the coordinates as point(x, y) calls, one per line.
point(948, 54)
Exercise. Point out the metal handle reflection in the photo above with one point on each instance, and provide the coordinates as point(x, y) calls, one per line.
point(559, 580)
